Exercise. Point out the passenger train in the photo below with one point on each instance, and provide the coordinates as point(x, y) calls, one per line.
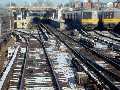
point(90, 18)
point(40, 15)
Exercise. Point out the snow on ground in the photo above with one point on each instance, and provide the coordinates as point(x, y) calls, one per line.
point(10, 51)
point(100, 46)
point(61, 63)
point(23, 50)
point(62, 66)
point(102, 63)
point(106, 33)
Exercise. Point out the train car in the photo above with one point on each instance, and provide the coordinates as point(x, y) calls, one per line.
point(72, 19)
point(111, 17)
point(86, 18)
point(90, 18)
point(40, 17)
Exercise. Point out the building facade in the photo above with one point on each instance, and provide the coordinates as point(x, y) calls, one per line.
point(5, 24)
point(116, 4)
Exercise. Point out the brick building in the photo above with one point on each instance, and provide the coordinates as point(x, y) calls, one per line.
point(87, 4)
point(116, 4)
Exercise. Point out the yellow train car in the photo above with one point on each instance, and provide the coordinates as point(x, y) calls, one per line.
point(90, 18)
point(95, 21)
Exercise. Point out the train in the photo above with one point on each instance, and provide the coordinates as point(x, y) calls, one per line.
point(44, 18)
point(40, 15)
point(90, 18)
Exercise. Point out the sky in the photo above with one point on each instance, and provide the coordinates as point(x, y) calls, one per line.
point(20, 2)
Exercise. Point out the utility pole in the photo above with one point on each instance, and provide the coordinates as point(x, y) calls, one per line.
point(10, 16)
point(98, 5)
point(71, 3)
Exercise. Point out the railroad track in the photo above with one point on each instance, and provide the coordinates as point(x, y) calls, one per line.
point(108, 36)
point(66, 79)
point(17, 80)
point(114, 46)
point(115, 34)
point(78, 66)
point(4, 68)
point(32, 73)
point(54, 79)
point(7, 72)
point(109, 77)
point(113, 61)
point(59, 80)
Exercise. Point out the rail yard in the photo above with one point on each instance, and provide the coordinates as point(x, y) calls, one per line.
point(75, 46)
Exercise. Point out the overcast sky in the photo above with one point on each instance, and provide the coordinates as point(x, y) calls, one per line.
point(19, 2)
